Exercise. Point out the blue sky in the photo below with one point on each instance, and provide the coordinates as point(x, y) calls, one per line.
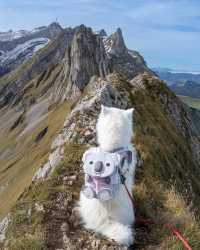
point(165, 32)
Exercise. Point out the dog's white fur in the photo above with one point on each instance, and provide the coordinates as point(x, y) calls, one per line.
point(113, 218)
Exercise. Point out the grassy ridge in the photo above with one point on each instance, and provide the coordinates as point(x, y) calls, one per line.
point(167, 184)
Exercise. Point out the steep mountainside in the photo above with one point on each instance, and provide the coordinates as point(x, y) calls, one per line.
point(49, 106)
point(196, 116)
point(17, 47)
point(187, 88)
point(191, 102)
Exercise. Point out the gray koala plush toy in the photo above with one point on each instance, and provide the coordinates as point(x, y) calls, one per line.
point(103, 172)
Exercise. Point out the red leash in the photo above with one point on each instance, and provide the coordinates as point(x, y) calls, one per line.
point(174, 231)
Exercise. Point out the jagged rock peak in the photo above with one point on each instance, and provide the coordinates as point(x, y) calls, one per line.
point(87, 51)
point(82, 28)
point(54, 29)
point(55, 25)
point(118, 46)
point(119, 31)
point(102, 33)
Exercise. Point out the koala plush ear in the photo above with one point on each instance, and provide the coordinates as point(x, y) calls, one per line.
point(125, 155)
point(88, 153)
point(129, 112)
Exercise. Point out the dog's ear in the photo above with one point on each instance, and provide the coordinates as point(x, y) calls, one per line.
point(104, 109)
point(125, 155)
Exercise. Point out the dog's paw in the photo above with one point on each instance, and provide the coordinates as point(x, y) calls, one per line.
point(122, 234)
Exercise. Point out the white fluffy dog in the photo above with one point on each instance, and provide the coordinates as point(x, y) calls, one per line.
point(113, 218)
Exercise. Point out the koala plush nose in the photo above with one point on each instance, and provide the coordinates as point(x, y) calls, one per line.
point(98, 166)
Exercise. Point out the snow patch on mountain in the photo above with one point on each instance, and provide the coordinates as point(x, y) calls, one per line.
point(107, 44)
point(12, 35)
point(26, 49)
point(38, 29)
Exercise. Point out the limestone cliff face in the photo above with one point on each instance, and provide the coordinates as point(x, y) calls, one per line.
point(121, 59)
point(117, 45)
point(84, 58)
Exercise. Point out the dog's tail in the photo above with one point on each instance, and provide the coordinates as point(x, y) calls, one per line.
point(121, 233)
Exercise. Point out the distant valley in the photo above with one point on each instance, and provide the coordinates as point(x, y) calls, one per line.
point(173, 76)
point(186, 88)
point(184, 84)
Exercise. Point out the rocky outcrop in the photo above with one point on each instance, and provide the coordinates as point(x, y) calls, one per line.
point(122, 60)
point(117, 45)
point(54, 160)
point(102, 33)
point(3, 227)
point(84, 58)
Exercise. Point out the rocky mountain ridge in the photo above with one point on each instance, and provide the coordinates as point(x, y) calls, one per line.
point(76, 59)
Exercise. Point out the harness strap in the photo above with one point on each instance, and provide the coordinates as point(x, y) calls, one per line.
point(170, 227)
point(116, 150)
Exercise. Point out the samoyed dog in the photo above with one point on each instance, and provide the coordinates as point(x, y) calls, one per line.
point(110, 212)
